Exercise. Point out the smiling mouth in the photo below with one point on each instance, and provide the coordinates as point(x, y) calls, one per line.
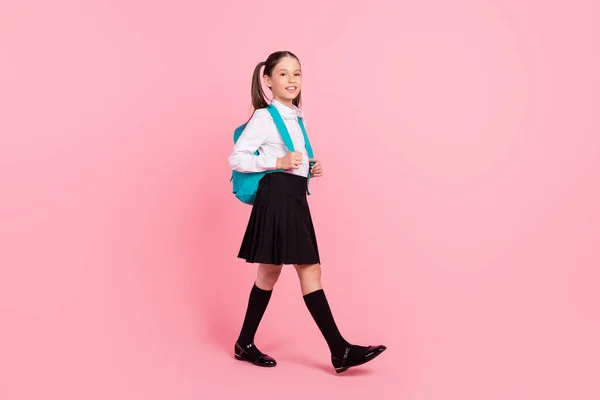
point(291, 88)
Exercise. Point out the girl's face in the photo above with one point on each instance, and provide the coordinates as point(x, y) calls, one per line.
point(286, 80)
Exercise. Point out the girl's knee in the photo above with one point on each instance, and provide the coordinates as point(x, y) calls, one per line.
point(308, 270)
point(268, 275)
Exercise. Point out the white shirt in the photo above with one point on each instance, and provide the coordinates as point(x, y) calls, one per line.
point(261, 134)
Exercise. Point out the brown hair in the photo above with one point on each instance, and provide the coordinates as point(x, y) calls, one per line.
point(259, 100)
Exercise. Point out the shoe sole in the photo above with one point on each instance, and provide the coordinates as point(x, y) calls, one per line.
point(239, 358)
point(342, 369)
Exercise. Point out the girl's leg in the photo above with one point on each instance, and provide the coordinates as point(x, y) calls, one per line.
point(316, 302)
point(245, 349)
point(343, 354)
point(260, 295)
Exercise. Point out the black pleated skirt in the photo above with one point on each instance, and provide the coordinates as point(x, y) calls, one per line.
point(280, 229)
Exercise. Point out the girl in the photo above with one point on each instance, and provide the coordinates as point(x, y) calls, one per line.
point(280, 230)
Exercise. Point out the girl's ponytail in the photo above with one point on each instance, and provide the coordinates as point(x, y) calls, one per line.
point(258, 94)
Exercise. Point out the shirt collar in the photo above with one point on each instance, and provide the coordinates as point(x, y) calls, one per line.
point(287, 112)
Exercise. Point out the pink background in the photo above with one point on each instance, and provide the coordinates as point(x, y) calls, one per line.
point(471, 128)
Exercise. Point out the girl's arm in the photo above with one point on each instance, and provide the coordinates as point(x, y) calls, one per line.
point(242, 158)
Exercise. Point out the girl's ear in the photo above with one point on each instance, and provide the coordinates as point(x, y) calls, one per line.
point(267, 80)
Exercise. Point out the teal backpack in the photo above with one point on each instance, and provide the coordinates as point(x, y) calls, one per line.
point(245, 184)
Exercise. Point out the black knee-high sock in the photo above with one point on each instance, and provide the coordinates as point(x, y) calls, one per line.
point(257, 304)
point(317, 304)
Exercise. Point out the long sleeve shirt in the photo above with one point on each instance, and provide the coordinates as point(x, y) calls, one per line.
point(261, 134)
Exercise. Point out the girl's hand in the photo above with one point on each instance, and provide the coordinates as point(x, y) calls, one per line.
point(290, 161)
point(317, 169)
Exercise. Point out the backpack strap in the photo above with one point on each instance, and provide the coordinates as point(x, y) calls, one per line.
point(285, 135)
point(283, 131)
point(309, 149)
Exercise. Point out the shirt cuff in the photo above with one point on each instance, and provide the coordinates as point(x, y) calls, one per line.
point(267, 162)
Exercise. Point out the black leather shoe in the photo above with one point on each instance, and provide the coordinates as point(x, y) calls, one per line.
point(353, 357)
point(257, 358)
